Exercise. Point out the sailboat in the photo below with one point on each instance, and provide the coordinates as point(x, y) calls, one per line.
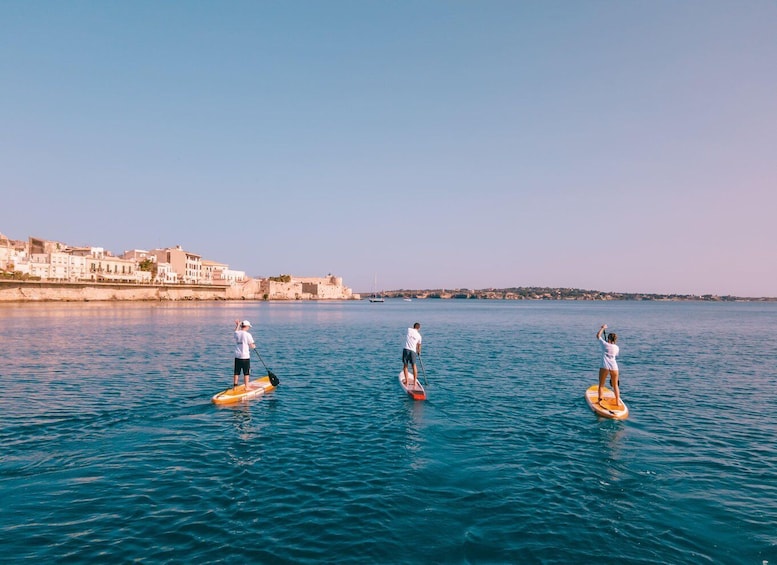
point(375, 297)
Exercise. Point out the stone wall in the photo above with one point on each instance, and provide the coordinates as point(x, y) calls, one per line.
point(251, 289)
point(276, 290)
point(42, 291)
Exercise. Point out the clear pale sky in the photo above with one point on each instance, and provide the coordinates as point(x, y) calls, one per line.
point(609, 145)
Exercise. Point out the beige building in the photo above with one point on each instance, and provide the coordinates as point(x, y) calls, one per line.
point(104, 267)
point(58, 266)
point(306, 288)
point(329, 287)
point(57, 262)
point(54, 261)
point(13, 255)
point(187, 266)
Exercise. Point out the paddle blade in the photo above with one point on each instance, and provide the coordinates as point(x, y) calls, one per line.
point(274, 380)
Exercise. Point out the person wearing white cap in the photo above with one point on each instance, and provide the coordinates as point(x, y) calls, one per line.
point(244, 343)
point(411, 352)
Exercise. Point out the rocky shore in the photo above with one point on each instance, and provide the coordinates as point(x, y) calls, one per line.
point(546, 293)
point(48, 291)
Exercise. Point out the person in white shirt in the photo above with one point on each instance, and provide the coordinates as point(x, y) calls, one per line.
point(410, 353)
point(609, 363)
point(244, 343)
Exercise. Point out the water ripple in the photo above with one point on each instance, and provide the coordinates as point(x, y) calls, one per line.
point(114, 452)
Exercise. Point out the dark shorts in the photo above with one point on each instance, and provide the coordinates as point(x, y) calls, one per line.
point(242, 365)
point(409, 357)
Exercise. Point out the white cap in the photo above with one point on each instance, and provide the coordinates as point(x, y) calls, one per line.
point(245, 324)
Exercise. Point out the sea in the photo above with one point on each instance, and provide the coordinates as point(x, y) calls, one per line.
point(111, 450)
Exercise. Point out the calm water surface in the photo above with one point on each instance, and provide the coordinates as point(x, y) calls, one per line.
point(110, 449)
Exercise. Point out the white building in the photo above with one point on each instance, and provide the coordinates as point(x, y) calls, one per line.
point(165, 274)
point(58, 266)
point(220, 273)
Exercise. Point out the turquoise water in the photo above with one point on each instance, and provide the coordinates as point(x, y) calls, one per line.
point(112, 450)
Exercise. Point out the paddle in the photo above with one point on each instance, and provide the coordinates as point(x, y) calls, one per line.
point(274, 380)
point(423, 372)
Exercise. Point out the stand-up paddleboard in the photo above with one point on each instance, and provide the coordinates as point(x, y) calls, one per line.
point(607, 406)
point(417, 392)
point(256, 388)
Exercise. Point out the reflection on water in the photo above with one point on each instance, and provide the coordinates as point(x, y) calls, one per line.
point(414, 432)
point(108, 408)
point(241, 416)
point(613, 434)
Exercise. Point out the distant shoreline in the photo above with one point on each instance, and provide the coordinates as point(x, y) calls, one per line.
point(549, 293)
point(15, 291)
point(49, 291)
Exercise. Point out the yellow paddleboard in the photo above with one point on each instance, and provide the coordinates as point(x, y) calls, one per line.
point(256, 388)
point(607, 407)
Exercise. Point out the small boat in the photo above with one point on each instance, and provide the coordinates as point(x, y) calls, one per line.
point(375, 297)
point(416, 392)
point(257, 387)
point(407, 299)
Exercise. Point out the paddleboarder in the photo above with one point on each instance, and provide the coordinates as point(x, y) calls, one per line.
point(411, 351)
point(609, 363)
point(244, 343)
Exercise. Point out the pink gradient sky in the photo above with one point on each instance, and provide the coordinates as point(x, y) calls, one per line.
point(616, 146)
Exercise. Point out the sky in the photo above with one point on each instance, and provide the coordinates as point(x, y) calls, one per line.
point(623, 146)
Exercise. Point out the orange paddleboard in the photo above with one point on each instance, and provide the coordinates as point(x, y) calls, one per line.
point(239, 393)
point(607, 407)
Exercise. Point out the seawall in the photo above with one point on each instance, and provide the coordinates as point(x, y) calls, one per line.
point(42, 291)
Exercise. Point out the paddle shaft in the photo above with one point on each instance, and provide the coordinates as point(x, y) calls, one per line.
point(423, 372)
point(273, 378)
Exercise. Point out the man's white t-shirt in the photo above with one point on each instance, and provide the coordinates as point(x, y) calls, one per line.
point(243, 341)
point(412, 339)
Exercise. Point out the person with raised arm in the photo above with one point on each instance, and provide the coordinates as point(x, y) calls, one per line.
point(244, 343)
point(410, 353)
point(609, 365)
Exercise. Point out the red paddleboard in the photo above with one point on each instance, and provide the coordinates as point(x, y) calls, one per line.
point(417, 391)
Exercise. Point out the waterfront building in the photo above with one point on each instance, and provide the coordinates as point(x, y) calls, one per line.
point(188, 266)
point(329, 287)
point(13, 255)
point(58, 266)
point(104, 267)
point(52, 262)
point(220, 273)
point(58, 262)
point(165, 274)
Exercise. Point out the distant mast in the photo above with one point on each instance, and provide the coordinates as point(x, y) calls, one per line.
point(376, 297)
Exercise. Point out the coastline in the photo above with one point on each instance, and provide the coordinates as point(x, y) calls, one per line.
point(549, 293)
point(51, 291)
point(48, 291)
